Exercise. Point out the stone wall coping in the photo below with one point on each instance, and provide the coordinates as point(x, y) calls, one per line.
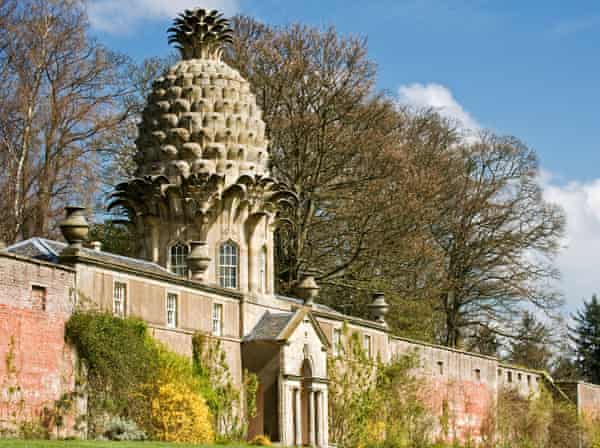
point(444, 348)
point(523, 369)
point(351, 319)
point(579, 382)
point(4, 254)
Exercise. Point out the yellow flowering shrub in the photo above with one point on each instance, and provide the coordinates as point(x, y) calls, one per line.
point(261, 440)
point(179, 414)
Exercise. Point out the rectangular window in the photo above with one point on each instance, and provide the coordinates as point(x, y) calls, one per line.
point(367, 345)
point(337, 341)
point(440, 367)
point(172, 310)
point(119, 299)
point(217, 319)
point(509, 377)
point(38, 297)
point(262, 268)
point(478, 374)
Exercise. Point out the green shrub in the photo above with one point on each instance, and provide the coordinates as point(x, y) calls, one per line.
point(119, 357)
point(119, 428)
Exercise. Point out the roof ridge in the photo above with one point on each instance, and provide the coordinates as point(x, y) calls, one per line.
point(44, 243)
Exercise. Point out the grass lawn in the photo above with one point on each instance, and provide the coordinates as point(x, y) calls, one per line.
point(94, 444)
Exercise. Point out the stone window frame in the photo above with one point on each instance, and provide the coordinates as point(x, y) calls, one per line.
point(125, 305)
point(217, 321)
point(368, 346)
point(235, 267)
point(44, 287)
point(168, 295)
point(336, 345)
point(170, 265)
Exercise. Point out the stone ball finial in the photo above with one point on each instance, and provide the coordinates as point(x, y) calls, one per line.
point(74, 227)
point(200, 34)
point(379, 308)
point(307, 289)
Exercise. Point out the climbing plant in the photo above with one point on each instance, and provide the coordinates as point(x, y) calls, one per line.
point(372, 403)
point(231, 406)
point(113, 350)
point(131, 375)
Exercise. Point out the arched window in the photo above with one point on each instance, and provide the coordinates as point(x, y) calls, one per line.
point(262, 270)
point(178, 259)
point(228, 265)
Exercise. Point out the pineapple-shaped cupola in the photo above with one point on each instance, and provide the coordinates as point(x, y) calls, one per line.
point(202, 188)
point(201, 117)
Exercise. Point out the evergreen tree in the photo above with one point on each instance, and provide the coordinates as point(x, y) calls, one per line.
point(586, 336)
point(531, 346)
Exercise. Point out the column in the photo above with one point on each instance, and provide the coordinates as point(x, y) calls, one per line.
point(287, 413)
point(317, 419)
point(298, 404)
point(324, 419)
point(311, 417)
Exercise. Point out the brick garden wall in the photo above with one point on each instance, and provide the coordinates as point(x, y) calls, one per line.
point(36, 366)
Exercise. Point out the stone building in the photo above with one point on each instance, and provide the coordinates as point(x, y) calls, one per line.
point(205, 209)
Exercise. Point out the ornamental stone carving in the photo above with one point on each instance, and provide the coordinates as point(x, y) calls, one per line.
point(202, 161)
point(201, 116)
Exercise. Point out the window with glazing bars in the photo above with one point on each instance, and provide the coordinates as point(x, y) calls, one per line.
point(228, 265)
point(172, 310)
point(178, 259)
point(337, 341)
point(217, 319)
point(119, 298)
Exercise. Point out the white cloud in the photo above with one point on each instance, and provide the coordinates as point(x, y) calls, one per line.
point(438, 97)
point(577, 261)
point(123, 16)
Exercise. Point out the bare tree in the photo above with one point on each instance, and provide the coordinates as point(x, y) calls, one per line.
point(496, 235)
point(329, 132)
point(61, 95)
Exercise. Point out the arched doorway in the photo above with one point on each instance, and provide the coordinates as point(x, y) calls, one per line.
point(307, 406)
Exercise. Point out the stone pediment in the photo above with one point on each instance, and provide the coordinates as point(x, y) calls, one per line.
point(279, 327)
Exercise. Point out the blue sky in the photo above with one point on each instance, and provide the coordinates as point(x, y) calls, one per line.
point(526, 68)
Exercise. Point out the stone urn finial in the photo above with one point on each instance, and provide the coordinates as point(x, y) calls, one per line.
point(307, 289)
point(379, 308)
point(198, 259)
point(74, 227)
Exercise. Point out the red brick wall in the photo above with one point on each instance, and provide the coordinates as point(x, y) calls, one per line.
point(36, 366)
point(588, 400)
point(462, 406)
